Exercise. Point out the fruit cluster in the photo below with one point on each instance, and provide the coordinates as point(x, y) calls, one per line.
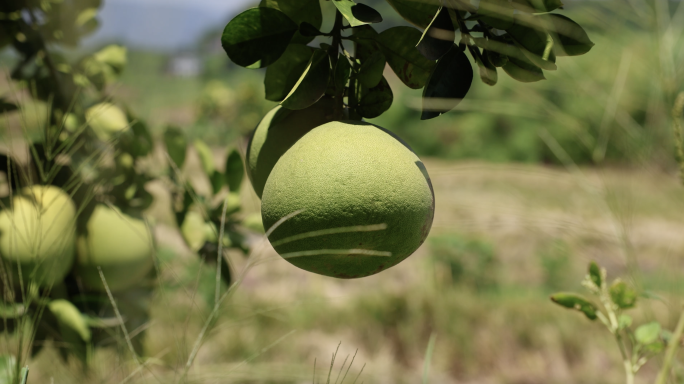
point(345, 198)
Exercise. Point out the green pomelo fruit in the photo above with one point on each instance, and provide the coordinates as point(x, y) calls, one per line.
point(355, 201)
point(276, 133)
point(117, 243)
point(106, 120)
point(38, 235)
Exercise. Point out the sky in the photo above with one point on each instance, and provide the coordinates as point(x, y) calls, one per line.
point(162, 25)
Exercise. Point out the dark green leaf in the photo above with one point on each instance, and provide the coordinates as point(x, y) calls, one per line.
point(523, 71)
point(365, 37)
point(647, 333)
point(366, 14)
point(142, 142)
point(496, 13)
point(217, 180)
point(257, 37)
point(495, 58)
point(576, 302)
point(312, 84)
point(282, 75)
point(235, 171)
point(438, 37)
point(399, 46)
point(448, 85)
point(502, 47)
point(6, 106)
point(546, 5)
point(300, 11)
point(488, 73)
point(622, 294)
point(535, 45)
point(375, 101)
point(342, 72)
point(176, 145)
point(371, 70)
point(308, 30)
point(595, 273)
point(418, 13)
point(345, 8)
point(570, 39)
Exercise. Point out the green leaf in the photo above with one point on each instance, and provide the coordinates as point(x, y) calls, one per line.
point(488, 73)
point(449, 83)
point(366, 14)
point(546, 5)
point(308, 30)
point(283, 75)
point(647, 333)
point(533, 43)
point(206, 157)
point(70, 318)
point(11, 311)
point(418, 13)
point(495, 58)
point(300, 11)
point(655, 347)
point(193, 230)
point(113, 55)
point(523, 71)
point(569, 38)
point(217, 181)
point(176, 145)
point(235, 171)
point(624, 321)
point(342, 72)
point(366, 39)
point(257, 37)
point(438, 37)
point(496, 13)
point(376, 100)
point(370, 73)
point(576, 302)
point(345, 7)
point(595, 273)
point(312, 84)
point(399, 46)
point(622, 294)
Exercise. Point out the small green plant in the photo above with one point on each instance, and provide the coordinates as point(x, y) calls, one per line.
point(608, 303)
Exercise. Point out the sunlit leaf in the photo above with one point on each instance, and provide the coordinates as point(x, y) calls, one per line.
point(206, 157)
point(647, 333)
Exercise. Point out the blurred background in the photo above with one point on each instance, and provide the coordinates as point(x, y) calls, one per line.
point(532, 181)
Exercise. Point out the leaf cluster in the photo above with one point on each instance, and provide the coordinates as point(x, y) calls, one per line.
point(522, 37)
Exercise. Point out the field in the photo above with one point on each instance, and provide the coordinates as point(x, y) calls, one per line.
point(504, 238)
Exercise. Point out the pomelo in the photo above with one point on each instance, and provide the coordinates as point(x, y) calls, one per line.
point(362, 201)
point(119, 244)
point(276, 133)
point(106, 120)
point(38, 235)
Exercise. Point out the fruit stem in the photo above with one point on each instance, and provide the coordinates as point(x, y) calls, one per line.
point(334, 57)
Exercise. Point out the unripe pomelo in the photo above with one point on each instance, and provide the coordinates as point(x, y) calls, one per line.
point(119, 244)
point(277, 132)
point(364, 199)
point(38, 235)
point(106, 119)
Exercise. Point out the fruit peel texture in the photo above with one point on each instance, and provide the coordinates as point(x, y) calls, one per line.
point(276, 133)
point(342, 175)
point(39, 234)
point(119, 244)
